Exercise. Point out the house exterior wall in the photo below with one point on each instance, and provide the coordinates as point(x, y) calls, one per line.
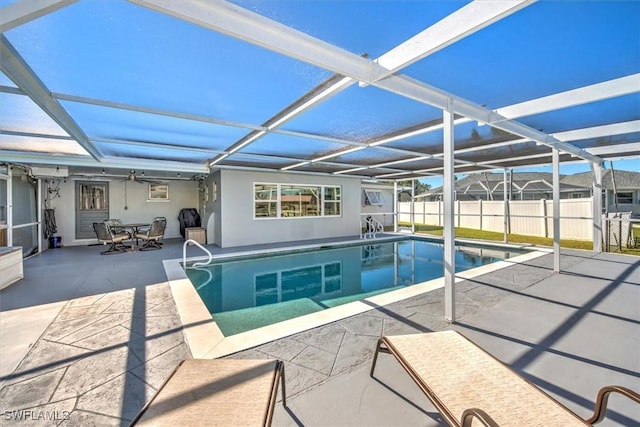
point(633, 207)
point(182, 194)
point(383, 213)
point(239, 227)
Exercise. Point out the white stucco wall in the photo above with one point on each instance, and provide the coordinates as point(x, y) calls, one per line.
point(211, 208)
point(383, 213)
point(182, 194)
point(238, 226)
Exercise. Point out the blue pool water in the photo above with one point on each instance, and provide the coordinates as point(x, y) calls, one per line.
point(245, 294)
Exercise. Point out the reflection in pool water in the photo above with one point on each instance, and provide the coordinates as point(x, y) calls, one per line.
point(249, 293)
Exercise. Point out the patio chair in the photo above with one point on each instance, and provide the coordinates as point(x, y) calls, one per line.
point(115, 240)
point(116, 225)
point(216, 392)
point(153, 235)
point(467, 384)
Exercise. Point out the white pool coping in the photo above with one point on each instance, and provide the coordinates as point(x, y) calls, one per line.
point(206, 340)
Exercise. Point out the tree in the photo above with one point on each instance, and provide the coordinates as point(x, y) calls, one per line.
point(418, 188)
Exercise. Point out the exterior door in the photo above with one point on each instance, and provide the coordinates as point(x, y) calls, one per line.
point(92, 205)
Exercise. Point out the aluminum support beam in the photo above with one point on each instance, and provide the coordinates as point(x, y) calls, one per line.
point(458, 25)
point(616, 150)
point(413, 206)
point(600, 131)
point(452, 28)
point(17, 70)
point(10, 207)
point(235, 21)
point(421, 92)
point(505, 197)
point(395, 207)
point(39, 213)
point(597, 207)
point(106, 162)
point(245, 25)
point(571, 98)
point(154, 111)
point(21, 12)
point(449, 231)
point(556, 210)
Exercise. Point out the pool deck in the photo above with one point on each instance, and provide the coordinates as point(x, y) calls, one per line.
point(87, 339)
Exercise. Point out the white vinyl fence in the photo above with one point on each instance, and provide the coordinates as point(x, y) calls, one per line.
point(527, 217)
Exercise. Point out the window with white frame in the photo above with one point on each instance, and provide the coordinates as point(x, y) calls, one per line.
point(296, 200)
point(265, 200)
point(299, 200)
point(374, 197)
point(332, 201)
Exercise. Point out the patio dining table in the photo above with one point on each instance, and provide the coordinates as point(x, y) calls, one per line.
point(135, 228)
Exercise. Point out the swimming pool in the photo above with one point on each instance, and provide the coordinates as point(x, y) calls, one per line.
point(247, 293)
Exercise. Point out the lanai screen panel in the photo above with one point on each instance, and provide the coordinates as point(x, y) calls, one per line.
point(115, 52)
point(489, 155)
point(362, 113)
point(112, 123)
point(18, 113)
point(135, 151)
point(5, 81)
point(35, 144)
point(606, 112)
point(145, 58)
point(325, 168)
point(369, 27)
point(292, 146)
point(609, 146)
point(428, 143)
point(369, 157)
point(263, 162)
point(545, 48)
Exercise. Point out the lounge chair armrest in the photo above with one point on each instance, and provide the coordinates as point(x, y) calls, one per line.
point(603, 396)
point(469, 414)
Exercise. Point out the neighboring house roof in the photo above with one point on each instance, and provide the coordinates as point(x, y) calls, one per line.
point(541, 181)
point(625, 180)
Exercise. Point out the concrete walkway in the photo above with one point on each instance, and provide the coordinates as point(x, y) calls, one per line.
point(113, 335)
point(100, 359)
